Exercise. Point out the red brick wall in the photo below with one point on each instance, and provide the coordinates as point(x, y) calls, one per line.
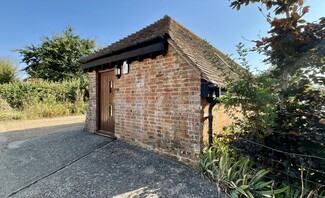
point(91, 117)
point(158, 107)
point(221, 119)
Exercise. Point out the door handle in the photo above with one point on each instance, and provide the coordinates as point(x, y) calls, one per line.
point(110, 109)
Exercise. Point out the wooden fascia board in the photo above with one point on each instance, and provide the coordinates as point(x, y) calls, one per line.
point(151, 48)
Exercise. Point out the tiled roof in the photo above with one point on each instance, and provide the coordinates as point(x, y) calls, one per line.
point(214, 65)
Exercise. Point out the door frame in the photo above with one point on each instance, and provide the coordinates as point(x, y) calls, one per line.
point(98, 131)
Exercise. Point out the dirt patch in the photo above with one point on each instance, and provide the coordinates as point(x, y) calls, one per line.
point(6, 126)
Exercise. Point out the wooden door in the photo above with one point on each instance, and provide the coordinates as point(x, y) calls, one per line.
point(106, 103)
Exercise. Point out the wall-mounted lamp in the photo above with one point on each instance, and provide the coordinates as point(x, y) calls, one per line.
point(118, 71)
point(213, 93)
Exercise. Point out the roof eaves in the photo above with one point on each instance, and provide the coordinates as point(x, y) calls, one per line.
point(99, 54)
point(158, 31)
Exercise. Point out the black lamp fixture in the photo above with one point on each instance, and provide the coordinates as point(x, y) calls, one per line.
point(118, 71)
point(213, 93)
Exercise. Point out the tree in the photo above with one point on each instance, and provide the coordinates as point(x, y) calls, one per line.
point(56, 58)
point(294, 46)
point(8, 70)
point(296, 50)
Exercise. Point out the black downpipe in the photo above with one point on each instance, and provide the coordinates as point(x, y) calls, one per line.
point(214, 93)
point(212, 104)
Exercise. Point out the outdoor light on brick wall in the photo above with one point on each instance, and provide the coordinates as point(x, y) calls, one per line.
point(213, 93)
point(118, 71)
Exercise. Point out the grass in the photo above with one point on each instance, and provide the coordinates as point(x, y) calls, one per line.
point(12, 115)
point(55, 110)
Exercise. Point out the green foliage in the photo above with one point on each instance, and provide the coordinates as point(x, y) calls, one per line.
point(23, 94)
point(234, 173)
point(4, 105)
point(305, 106)
point(296, 130)
point(57, 57)
point(298, 193)
point(12, 115)
point(39, 98)
point(8, 71)
point(301, 131)
point(279, 5)
point(291, 143)
point(254, 97)
point(293, 45)
point(42, 110)
point(7, 113)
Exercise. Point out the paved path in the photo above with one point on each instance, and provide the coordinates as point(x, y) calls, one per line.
point(65, 161)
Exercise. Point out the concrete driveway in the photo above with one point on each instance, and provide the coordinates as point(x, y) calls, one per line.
point(65, 161)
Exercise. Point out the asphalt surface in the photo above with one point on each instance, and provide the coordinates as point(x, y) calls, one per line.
point(65, 161)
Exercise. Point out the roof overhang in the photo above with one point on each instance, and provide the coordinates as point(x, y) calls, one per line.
point(149, 48)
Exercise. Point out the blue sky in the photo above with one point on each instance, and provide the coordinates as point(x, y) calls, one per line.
point(25, 22)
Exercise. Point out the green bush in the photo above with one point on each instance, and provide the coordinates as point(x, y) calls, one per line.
point(47, 110)
point(235, 173)
point(41, 99)
point(7, 113)
point(79, 107)
point(4, 105)
point(42, 110)
point(280, 130)
point(8, 70)
point(21, 95)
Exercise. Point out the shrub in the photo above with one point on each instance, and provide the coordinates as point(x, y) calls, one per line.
point(79, 107)
point(281, 130)
point(235, 173)
point(254, 96)
point(21, 95)
point(47, 110)
point(42, 110)
point(7, 113)
point(4, 105)
point(39, 98)
point(8, 71)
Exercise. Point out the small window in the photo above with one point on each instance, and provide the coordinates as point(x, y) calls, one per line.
point(110, 86)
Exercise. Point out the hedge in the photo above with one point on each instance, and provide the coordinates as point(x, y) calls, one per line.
point(21, 95)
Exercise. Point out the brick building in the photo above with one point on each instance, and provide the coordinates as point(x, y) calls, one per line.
point(150, 89)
